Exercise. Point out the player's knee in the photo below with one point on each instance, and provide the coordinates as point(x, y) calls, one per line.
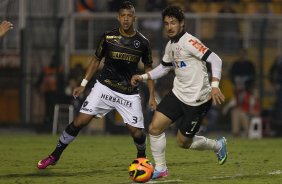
point(137, 133)
point(80, 123)
point(139, 138)
point(82, 120)
point(153, 130)
point(183, 144)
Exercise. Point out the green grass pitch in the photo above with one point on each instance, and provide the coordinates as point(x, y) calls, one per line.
point(105, 160)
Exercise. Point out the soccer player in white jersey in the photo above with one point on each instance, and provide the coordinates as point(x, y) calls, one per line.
point(191, 96)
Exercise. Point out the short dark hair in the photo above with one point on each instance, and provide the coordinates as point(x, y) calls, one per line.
point(173, 11)
point(126, 5)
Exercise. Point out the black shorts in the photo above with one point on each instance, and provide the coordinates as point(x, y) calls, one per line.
point(189, 117)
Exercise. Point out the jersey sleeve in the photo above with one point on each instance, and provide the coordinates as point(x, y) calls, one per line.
point(196, 48)
point(100, 50)
point(167, 58)
point(147, 55)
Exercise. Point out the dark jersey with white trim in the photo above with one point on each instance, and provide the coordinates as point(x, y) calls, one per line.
point(122, 55)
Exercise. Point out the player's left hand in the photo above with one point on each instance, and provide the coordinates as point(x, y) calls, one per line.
point(152, 103)
point(217, 96)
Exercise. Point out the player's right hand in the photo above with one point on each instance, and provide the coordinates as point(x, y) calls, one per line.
point(135, 80)
point(77, 91)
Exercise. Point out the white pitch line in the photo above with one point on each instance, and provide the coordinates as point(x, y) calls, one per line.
point(225, 177)
point(164, 181)
point(277, 172)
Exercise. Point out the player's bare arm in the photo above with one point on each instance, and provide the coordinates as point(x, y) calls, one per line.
point(152, 101)
point(91, 70)
point(4, 27)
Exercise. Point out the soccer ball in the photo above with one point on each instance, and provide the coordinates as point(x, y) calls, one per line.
point(140, 170)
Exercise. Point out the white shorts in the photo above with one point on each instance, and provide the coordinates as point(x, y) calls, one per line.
point(102, 100)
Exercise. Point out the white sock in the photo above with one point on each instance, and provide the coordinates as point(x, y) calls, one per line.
point(158, 146)
point(201, 143)
point(66, 138)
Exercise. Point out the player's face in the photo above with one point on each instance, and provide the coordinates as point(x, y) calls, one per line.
point(172, 26)
point(126, 18)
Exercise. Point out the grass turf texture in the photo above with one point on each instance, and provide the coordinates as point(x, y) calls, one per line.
point(105, 159)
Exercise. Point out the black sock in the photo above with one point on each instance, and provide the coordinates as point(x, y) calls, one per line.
point(59, 150)
point(140, 143)
point(67, 137)
point(141, 154)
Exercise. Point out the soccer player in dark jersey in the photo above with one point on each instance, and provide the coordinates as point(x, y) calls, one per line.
point(122, 49)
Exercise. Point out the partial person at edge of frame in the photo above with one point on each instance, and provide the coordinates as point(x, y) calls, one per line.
point(5, 26)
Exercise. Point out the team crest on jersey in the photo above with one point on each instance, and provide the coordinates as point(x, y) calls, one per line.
point(178, 51)
point(85, 104)
point(136, 44)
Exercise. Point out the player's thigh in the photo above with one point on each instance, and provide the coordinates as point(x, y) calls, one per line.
point(159, 123)
point(82, 120)
point(168, 111)
point(192, 119)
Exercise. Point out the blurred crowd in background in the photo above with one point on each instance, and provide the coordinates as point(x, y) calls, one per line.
point(197, 6)
point(252, 76)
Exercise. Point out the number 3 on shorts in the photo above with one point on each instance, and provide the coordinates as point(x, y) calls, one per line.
point(134, 119)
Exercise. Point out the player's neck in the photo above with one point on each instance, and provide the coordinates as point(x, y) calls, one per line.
point(127, 33)
point(178, 36)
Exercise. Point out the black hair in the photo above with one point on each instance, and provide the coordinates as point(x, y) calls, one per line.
point(173, 11)
point(126, 5)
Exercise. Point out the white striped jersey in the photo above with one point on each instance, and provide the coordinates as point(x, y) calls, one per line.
point(188, 54)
